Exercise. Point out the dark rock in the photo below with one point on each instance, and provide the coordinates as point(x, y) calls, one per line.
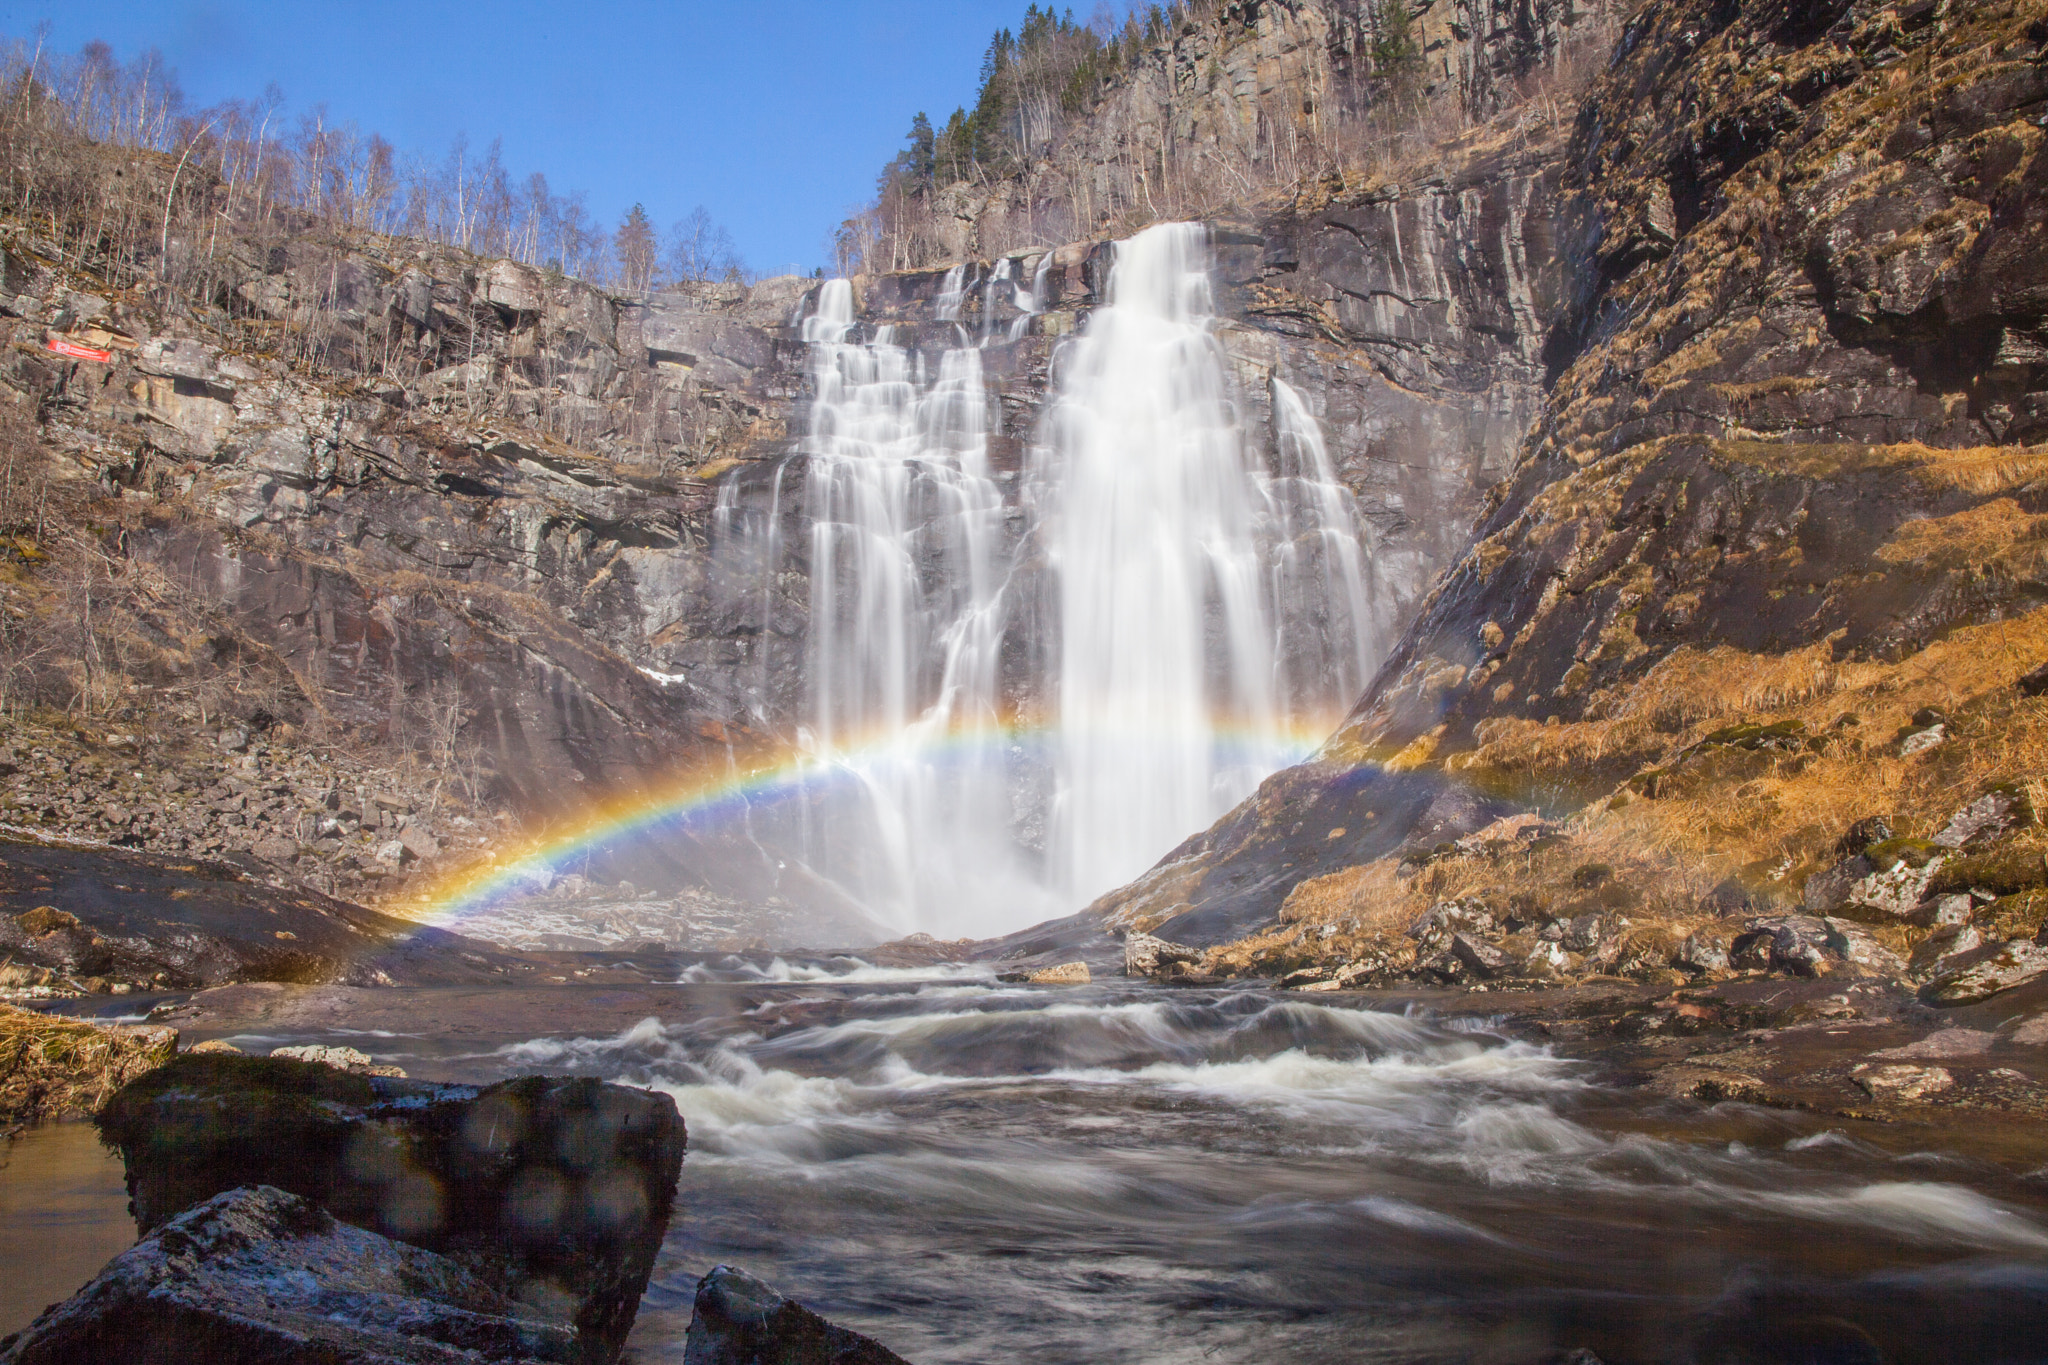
point(1829, 890)
point(257, 1274)
point(740, 1320)
point(1871, 829)
point(555, 1192)
point(1434, 927)
point(1853, 944)
point(1705, 951)
point(1583, 933)
point(1729, 897)
point(2034, 683)
point(1986, 971)
point(184, 924)
point(1788, 943)
point(1481, 957)
point(1445, 969)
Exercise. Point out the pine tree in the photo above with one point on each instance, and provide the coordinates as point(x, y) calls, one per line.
point(637, 251)
point(923, 152)
point(1396, 53)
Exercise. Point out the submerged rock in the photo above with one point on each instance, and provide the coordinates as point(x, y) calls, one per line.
point(1897, 1082)
point(555, 1192)
point(257, 1274)
point(740, 1320)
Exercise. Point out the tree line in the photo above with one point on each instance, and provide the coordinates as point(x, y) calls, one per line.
point(250, 164)
point(1082, 128)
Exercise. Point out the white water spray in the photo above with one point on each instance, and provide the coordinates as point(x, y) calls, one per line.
point(1187, 606)
point(1167, 709)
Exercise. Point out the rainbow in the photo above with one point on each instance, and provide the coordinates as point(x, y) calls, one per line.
point(709, 794)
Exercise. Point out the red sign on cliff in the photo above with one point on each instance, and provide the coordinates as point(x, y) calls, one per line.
point(62, 346)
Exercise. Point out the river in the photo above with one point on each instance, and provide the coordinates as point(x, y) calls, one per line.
point(975, 1172)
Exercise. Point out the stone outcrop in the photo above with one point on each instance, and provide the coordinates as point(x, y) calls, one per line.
point(146, 922)
point(1797, 280)
point(740, 1320)
point(255, 1273)
point(1273, 91)
point(554, 1192)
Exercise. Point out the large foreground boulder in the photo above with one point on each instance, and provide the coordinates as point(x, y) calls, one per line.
point(554, 1192)
point(257, 1274)
point(740, 1320)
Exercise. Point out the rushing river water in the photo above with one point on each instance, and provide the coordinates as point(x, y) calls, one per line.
point(1120, 1173)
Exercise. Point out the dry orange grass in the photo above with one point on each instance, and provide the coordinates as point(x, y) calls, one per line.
point(1768, 821)
point(1997, 533)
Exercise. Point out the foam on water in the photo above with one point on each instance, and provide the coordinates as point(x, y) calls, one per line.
point(850, 971)
point(830, 1101)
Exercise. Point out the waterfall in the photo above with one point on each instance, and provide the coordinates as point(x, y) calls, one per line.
point(906, 620)
point(1321, 578)
point(1167, 707)
point(1017, 703)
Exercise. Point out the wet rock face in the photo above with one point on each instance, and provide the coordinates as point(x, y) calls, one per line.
point(1797, 267)
point(143, 921)
point(259, 1274)
point(554, 1192)
point(740, 1320)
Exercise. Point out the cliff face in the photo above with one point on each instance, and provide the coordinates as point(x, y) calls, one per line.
point(420, 480)
point(1801, 288)
point(1256, 96)
point(456, 478)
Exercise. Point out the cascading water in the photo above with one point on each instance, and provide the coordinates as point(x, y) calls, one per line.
point(1149, 513)
point(906, 620)
point(1322, 579)
point(1173, 611)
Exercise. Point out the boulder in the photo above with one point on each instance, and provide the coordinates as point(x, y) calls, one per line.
point(1898, 1082)
point(1948, 941)
point(554, 1192)
point(1704, 951)
point(1826, 891)
point(1481, 957)
point(1986, 971)
point(1888, 894)
point(1951, 909)
point(1065, 974)
point(1853, 944)
point(739, 1320)
point(1434, 927)
point(1997, 811)
point(1787, 943)
point(1145, 955)
point(256, 1274)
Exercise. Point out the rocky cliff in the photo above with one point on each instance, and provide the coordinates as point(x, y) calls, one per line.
point(1779, 479)
point(1225, 102)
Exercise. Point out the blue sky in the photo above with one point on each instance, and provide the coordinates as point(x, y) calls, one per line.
point(773, 114)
